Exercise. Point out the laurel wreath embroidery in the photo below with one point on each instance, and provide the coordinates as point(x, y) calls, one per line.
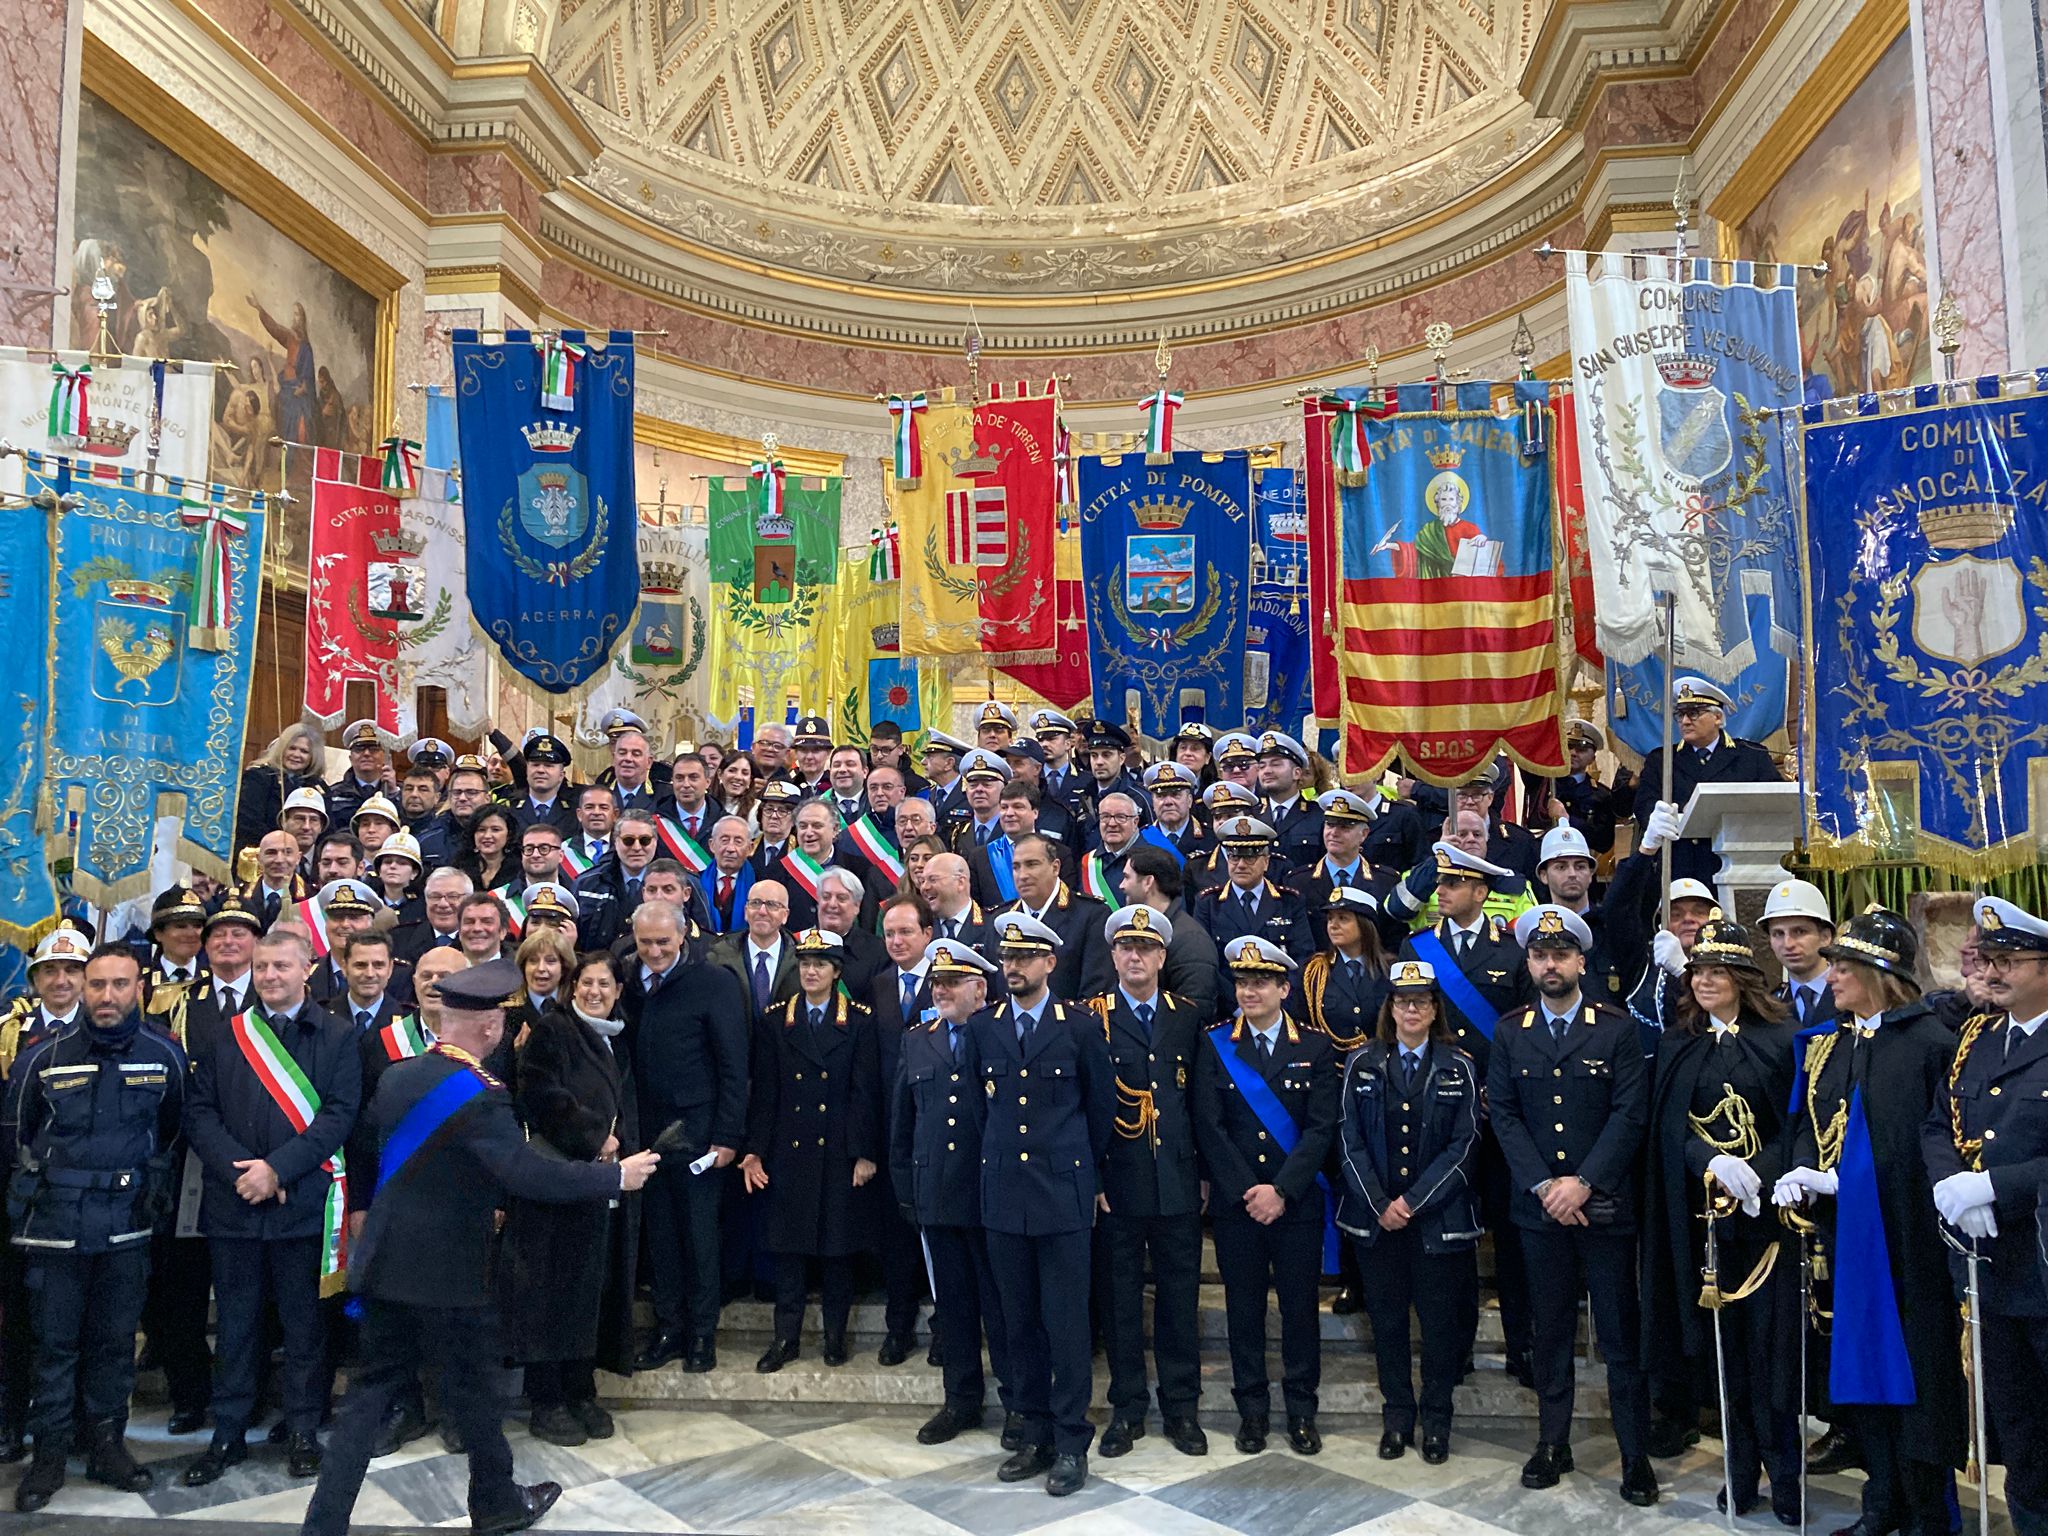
point(774, 623)
point(1183, 635)
point(418, 635)
point(662, 685)
point(1160, 680)
point(968, 589)
point(559, 572)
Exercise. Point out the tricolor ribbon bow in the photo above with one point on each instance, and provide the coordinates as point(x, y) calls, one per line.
point(909, 443)
point(216, 524)
point(770, 474)
point(1160, 406)
point(401, 466)
point(558, 360)
point(70, 404)
point(885, 555)
point(1348, 452)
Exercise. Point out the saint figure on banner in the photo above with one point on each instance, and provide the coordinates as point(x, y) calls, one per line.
point(1448, 543)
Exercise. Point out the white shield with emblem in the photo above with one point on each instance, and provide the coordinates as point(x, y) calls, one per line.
point(1967, 609)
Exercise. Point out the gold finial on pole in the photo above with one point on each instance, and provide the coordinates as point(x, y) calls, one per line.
point(1162, 358)
point(971, 345)
point(1372, 363)
point(1681, 208)
point(1949, 326)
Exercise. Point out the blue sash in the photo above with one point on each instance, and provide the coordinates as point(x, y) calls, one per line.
point(1159, 839)
point(440, 1105)
point(1867, 1359)
point(1455, 985)
point(1265, 1104)
point(999, 850)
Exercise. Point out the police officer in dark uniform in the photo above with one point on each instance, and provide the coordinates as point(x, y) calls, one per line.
point(91, 1126)
point(177, 920)
point(935, 1135)
point(1175, 827)
point(1587, 803)
point(1151, 1199)
point(1706, 754)
point(1344, 984)
point(1296, 818)
point(555, 803)
point(1340, 860)
point(1222, 801)
point(1569, 1096)
point(1084, 967)
point(1266, 1095)
point(1986, 1143)
point(1105, 748)
point(1250, 903)
point(422, 1264)
point(1051, 1100)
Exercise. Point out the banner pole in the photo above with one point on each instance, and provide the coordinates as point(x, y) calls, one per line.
point(1670, 602)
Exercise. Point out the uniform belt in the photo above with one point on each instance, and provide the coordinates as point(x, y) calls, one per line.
point(92, 1178)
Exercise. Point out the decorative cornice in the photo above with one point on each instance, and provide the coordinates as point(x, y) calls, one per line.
point(1585, 44)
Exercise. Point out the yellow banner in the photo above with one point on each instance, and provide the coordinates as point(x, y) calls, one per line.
point(870, 678)
point(941, 610)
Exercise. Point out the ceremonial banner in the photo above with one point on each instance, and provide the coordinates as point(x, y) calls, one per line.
point(438, 645)
point(547, 504)
point(774, 560)
point(1449, 648)
point(366, 576)
point(109, 414)
point(147, 721)
point(661, 672)
point(1925, 539)
point(1276, 662)
point(978, 533)
point(1678, 376)
point(871, 677)
point(1166, 561)
point(28, 896)
point(1569, 488)
point(1064, 682)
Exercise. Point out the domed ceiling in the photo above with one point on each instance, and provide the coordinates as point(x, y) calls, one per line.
point(1043, 147)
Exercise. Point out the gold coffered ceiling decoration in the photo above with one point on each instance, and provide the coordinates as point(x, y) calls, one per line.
point(1044, 147)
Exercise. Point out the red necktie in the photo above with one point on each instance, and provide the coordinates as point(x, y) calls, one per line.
point(693, 826)
point(725, 893)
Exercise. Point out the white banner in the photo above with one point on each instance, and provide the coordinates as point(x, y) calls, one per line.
point(442, 649)
point(658, 670)
point(115, 403)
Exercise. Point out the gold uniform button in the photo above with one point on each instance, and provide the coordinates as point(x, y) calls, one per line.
point(1023, 1157)
point(952, 1098)
point(1404, 1171)
point(821, 1109)
point(1557, 1071)
point(949, 1146)
point(1262, 1135)
point(823, 1075)
point(1991, 1135)
point(821, 1141)
point(1022, 1101)
point(1560, 1157)
point(952, 1122)
point(799, 1077)
point(1560, 1127)
point(1557, 1099)
point(796, 1143)
point(1023, 1071)
point(1995, 1092)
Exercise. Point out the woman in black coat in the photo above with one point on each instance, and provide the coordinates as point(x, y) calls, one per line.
point(293, 762)
point(565, 1275)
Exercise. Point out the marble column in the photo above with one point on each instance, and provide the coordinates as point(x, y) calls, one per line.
point(39, 47)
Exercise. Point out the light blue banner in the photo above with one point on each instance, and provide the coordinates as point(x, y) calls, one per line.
point(1277, 669)
point(28, 896)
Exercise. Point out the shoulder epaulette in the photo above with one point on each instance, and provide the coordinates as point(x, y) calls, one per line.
point(1102, 1006)
point(18, 1013)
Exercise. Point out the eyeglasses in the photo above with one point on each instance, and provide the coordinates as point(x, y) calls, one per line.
point(2005, 961)
point(634, 842)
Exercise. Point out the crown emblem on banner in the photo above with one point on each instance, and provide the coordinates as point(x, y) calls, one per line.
point(979, 459)
point(1165, 512)
point(108, 437)
point(1449, 456)
point(550, 436)
point(1255, 634)
point(1971, 525)
point(887, 637)
point(399, 542)
point(1688, 370)
point(664, 578)
point(153, 593)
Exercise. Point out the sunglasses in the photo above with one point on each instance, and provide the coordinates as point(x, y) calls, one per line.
point(634, 842)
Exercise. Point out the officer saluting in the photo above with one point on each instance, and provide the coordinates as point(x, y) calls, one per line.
point(1046, 1076)
point(452, 1154)
point(1986, 1144)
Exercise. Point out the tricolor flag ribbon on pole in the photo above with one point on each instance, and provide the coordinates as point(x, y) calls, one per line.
point(885, 554)
point(558, 360)
point(401, 466)
point(1160, 407)
point(1348, 452)
point(70, 404)
point(770, 474)
point(909, 445)
point(216, 525)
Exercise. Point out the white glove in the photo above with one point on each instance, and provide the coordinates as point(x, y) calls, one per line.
point(1979, 1221)
point(1659, 827)
point(1961, 1192)
point(1785, 1192)
point(1802, 1182)
point(1669, 953)
point(1739, 1179)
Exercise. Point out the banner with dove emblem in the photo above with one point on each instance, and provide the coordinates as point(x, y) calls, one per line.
point(1166, 563)
point(1925, 568)
point(1277, 681)
point(28, 895)
point(547, 495)
point(150, 699)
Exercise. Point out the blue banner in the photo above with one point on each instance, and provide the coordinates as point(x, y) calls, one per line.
point(150, 698)
point(548, 504)
point(28, 896)
point(442, 449)
point(1277, 681)
point(1166, 564)
point(1926, 575)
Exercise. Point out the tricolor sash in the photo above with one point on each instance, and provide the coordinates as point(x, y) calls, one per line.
point(293, 1093)
point(515, 914)
point(1095, 878)
point(682, 847)
point(876, 848)
point(402, 1038)
point(803, 869)
point(1265, 1105)
point(575, 861)
point(316, 925)
point(1455, 985)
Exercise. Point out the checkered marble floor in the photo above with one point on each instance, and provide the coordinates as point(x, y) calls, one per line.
point(774, 1469)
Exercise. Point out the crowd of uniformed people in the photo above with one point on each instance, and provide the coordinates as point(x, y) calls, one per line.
point(477, 1055)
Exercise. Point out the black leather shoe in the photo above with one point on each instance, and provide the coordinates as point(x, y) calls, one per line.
point(1744, 1504)
point(1068, 1473)
point(946, 1423)
point(109, 1462)
point(595, 1421)
point(895, 1350)
point(302, 1456)
point(184, 1421)
point(1116, 1440)
point(1521, 1371)
point(666, 1347)
point(703, 1356)
point(1347, 1301)
point(1394, 1445)
point(1548, 1466)
point(1185, 1435)
point(835, 1349)
point(1303, 1435)
point(776, 1356)
point(1785, 1504)
point(400, 1428)
point(1013, 1431)
point(451, 1438)
point(555, 1424)
point(1251, 1434)
point(214, 1462)
point(279, 1433)
point(1835, 1451)
point(1865, 1527)
point(1027, 1463)
point(935, 1357)
point(1638, 1482)
point(1670, 1438)
point(1436, 1449)
point(535, 1500)
point(40, 1483)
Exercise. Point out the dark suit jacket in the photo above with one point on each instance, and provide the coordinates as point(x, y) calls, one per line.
point(687, 1041)
point(731, 953)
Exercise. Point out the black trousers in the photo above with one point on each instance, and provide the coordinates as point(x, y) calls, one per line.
point(17, 1337)
point(2016, 1402)
point(1901, 1493)
point(398, 1341)
point(902, 1261)
point(1285, 1259)
point(681, 1211)
point(792, 1289)
point(174, 1318)
point(1510, 1264)
point(85, 1307)
point(247, 1273)
point(1566, 1263)
point(555, 1383)
point(1398, 1275)
point(967, 1303)
point(1044, 1285)
point(1175, 1245)
point(1760, 1437)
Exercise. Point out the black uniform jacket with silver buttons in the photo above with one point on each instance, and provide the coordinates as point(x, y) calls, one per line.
point(1497, 970)
point(1576, 1107)
point(814, 1109)
point(935, 1121)
point(1050, 1103)
point(1999, 1098)
point(1305, 1075)
point(1416, 1146)
point(1153, 1168)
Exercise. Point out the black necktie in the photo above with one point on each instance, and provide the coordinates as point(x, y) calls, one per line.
point(270, 905)
point(1265, 1050)
point(1804, 1000)
point(1026, 1022)
point(1411, 1063)
point(1557, 1028)
point(951, 926)
point(230, 1001)
point(1354, 972)
point(365, 1018)
point(1464, 945)
point(817, 1025)
point(1251, 903)
point(1144, 1012)
point(179, 973)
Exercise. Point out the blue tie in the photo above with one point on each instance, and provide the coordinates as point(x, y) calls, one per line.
point(1144, 1012)
point(1026, 1022)
point(909, 995)
point(953, 1038)
point(1411, 1063)
point(763, 988)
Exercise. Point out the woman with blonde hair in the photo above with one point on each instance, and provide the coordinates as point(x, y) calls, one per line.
point(294, 760)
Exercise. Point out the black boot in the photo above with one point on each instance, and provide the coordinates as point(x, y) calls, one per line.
point(107, 1460)
point(40, 1483)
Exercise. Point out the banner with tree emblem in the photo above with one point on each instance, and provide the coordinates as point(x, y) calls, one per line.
point(442, 649)
point(978, 532)
point(554, 573)
point(774, 560)
point(1925, 568)
point(1277, 681)
point(28, 896)
point(1679, 376)
point(661, 672)
point(109, 414)
point(366, 575)
point(1166, 561)
point(153, 629)
point(871, 677)
point(1448, 643)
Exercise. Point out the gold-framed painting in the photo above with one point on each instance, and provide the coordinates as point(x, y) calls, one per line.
point(1837, 179)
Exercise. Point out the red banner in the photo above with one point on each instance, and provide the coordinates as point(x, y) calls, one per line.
point(1571, 508)
point(1017, 508)
point(1318, 480)
point(1063, 682)
point(361, 574)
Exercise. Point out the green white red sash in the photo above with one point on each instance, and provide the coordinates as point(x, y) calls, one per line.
point(293, 1093)
point(515, 914)
point(403, 1038)
point(804, 869)
point(575, 861)
point(316, 925)
point(1095, 877)
point(682, 847)
point(868, 838)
